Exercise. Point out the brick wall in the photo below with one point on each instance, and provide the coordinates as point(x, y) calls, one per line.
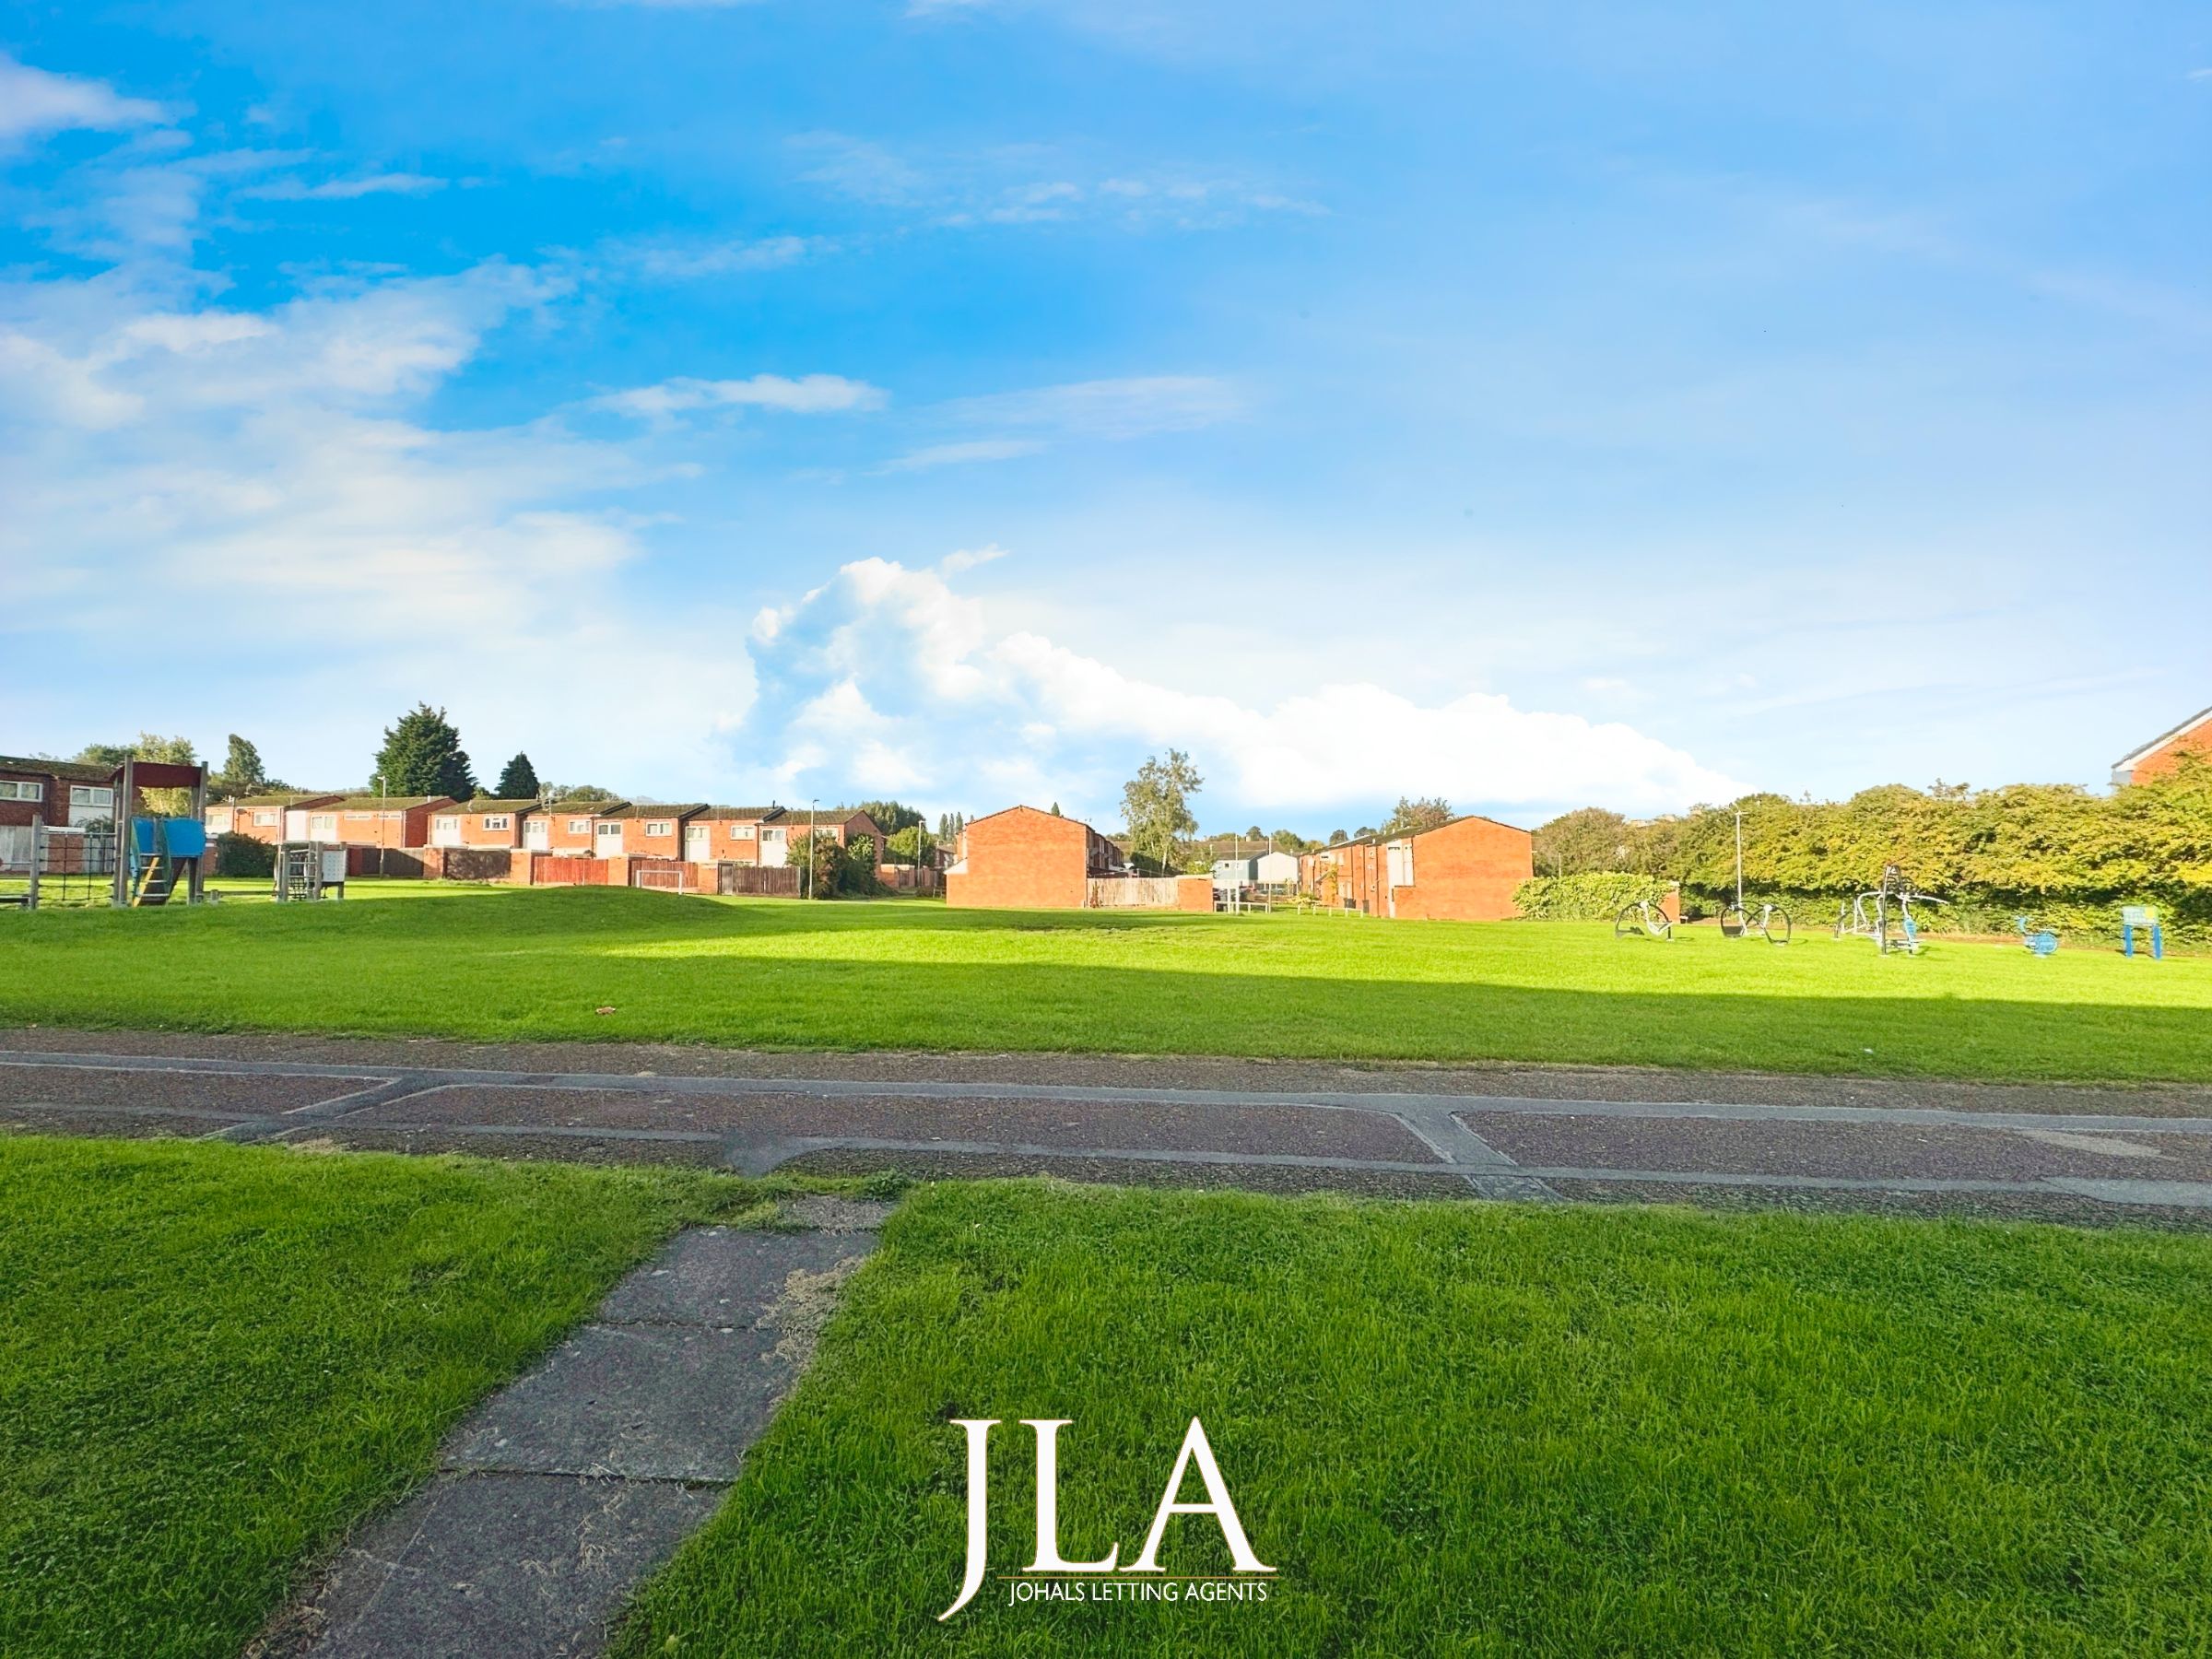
point(1022, 859)
point(2165, 759)
point(1466, 872)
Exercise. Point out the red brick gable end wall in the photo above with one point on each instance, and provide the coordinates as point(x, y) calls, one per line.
point(1023, 859)
point(1466, 871)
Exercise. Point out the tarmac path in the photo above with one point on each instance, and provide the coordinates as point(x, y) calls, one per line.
point(2097, 1155)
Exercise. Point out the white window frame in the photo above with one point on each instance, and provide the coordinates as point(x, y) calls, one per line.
point(14, 790)
point(359, 817)
point(322, 822)
point(658, 827)
point(497, 820)
point(580, 826)
point(91, 794)
point(608, 832)
point(741, 832)
point(264, 821)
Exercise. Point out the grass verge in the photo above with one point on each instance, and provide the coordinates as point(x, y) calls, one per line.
point(214, 1360)
point(1478, 1430)
point(505, 964)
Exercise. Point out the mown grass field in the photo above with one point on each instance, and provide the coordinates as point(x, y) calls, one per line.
point(1485, 1429)
point(214, 1360)
point(497, 963)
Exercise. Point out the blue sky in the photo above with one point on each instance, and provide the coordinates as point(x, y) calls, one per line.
point(1535, 405)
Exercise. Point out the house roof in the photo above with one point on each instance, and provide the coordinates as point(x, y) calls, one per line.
point(370, 803)
point(587, 808)
point(2126, 762)
point(752, 814)
point(76, 771)
point(485, 804)
point(301, 798)
point(662, 810)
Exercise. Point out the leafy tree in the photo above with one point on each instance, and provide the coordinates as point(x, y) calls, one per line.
point(1583, 842)
point(949, 824)
point(1156, 803)
point(422, 756)
point(1338, 837)
point(1411, 817)
point(242, 773)
point(894, 815)
point(582, 791)
point(1255, 833)
point(910, 845)
point(517, 780)
point(1055, 809)
point(174, 751)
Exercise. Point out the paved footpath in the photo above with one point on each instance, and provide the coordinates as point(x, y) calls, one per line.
point(566, 1490)
point(2065, 1153)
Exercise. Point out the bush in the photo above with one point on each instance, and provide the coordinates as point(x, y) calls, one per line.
point(2060, 855)
point(1598, 896)
point(238, 854)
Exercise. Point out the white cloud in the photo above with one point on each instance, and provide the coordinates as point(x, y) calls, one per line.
point(962, 454)
point(33, 101)
point(678, 260)
point(884, 660)
point(266, 484)
point(1133, 406)
point(1033, 184)
point(807, 395)
point(347, 190)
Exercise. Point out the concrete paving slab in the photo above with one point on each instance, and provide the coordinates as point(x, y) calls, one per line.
point(122, 1123)
point(475, 1565)
point(213, 1093)
point(649, 1402)
point(1207, 1127)
point(1874, 1150)
point(724, 1278)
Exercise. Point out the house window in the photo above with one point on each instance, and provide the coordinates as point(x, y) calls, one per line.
point(580, 826)
point(264, 820)
point(610, 832)
point(12, 791)
point(656, 827)
point(741, 832)
point(495, 820)
point(324, 823)
point(356, 818)
point(81, 794)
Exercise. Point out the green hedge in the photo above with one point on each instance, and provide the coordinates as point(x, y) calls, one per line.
point(1597, 896)
point(242, 856)
point(2066, 857)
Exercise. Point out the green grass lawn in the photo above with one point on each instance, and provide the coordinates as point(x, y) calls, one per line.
point(214, 1360)
point(492, 963)
point(1484, 1430)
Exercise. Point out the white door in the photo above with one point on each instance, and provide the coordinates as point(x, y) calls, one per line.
point(537, 832)
point(295, 823)
point(445, 832)
point(699, 843)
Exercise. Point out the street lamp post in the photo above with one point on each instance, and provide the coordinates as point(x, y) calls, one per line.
point(384, 819)
point(808, 876)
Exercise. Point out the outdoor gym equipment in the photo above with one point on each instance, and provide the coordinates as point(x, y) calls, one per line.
point(2141, 916)
point(1644, 916)
point(1771, 923)
point(2042, 941)
point(1884, 915)
point(308, 870)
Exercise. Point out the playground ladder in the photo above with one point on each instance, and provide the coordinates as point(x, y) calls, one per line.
point(156, 882)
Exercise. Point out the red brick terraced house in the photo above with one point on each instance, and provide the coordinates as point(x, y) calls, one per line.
point(1466, 870)
point(483, 822)
point(1024, 859)
point(754, 837)
point(569, 828)
point(2161, 756)
point(643, 831)
point(270, 818)
point(64, 796)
